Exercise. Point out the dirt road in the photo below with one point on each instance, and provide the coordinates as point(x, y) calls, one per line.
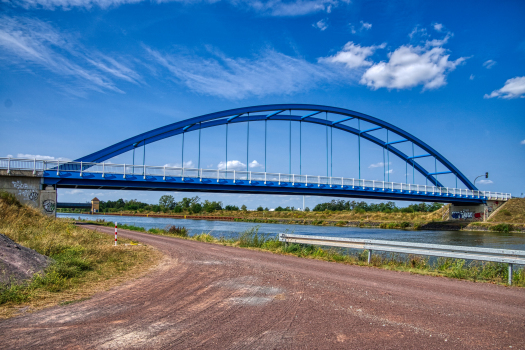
point(214, 297)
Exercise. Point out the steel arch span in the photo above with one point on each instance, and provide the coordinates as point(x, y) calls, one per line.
point(276, 112)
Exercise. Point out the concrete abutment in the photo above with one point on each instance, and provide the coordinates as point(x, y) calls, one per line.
point(29, 188)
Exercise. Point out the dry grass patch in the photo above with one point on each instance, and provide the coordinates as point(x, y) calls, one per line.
point(85, 261)
point(512, 212)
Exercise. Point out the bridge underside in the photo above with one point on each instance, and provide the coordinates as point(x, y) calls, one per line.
point(158, 183)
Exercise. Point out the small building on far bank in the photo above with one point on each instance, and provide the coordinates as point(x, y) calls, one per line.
point(95, 205)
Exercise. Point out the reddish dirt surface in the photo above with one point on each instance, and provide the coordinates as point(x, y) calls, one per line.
point(214, 297)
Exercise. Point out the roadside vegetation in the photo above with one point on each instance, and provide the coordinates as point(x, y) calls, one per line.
point(84, 261)
point(446, 267)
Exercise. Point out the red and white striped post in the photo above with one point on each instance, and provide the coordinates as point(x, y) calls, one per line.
point(115, 233)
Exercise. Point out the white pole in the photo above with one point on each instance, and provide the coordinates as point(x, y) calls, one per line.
point(115, 233)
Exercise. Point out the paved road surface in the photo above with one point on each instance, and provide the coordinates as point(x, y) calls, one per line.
point(214, 297)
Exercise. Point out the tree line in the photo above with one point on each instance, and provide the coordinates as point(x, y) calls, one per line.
point(194, 205)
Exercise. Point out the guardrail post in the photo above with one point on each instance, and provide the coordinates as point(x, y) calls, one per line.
point(369, 256)
point(510, 274)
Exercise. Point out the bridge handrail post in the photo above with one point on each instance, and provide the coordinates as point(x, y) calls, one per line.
point(293, 179)
point(58, 167)
point(200, 174)
point(250, 177)
point(265, 177)
point(330, 182)
point(8, 165)
point(218, 175)
point(182, 172)
point(306, 181)
point(103, 169)
point(318, 181)
point(144, 176)
point(81, 168)
point(34, 166)
point(279, 179)
point(383, 186)
point(233, 175)
point(353, 183)
point(164, 174)
point(342, 182)
point(373, 184)
point(124, 174)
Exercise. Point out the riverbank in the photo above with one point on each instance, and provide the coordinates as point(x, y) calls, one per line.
point(82, 262)
point(253, 239)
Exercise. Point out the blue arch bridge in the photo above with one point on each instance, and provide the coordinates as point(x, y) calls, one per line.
point(92, 171)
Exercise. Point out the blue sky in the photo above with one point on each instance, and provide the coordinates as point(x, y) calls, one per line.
point(79, 75)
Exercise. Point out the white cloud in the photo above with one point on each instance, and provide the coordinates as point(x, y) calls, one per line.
point(513, 88)
point(31, 43)
point(235, 78)
point(489, 64)
point(353, 55)
point(378, 165)
point(389, 171)
point(418, 33)
point(365, 25)
point(232, 165)
point(38, 157)
point(321, 25)
point(438, 27)
point(268, 7)
point(522, 142)
point(189, 164)
point(255, 164)
point(409, 66)
point(472, 76)
point(485, 182)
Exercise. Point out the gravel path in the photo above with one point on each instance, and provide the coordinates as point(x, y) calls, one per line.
point(214, 297)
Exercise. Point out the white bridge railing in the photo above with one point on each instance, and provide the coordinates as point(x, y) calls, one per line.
point(126, 170)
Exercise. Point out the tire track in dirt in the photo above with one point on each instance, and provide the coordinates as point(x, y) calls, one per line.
point(211, 296)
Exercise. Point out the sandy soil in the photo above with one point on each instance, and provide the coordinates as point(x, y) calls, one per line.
point(214, 297)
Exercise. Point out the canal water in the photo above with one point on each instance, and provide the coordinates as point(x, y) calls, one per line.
point(229, 229)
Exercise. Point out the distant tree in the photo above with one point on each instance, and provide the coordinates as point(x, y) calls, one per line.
point(186, 202)
point(167, 202)
point(244, 208)
point(231, 208)
point(196, 208)
point(266, 209)
point(210, 207)
point(259, 208)
point(306, 209)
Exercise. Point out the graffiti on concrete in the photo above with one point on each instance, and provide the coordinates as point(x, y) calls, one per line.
point(26, 191)
point(462, 214)
point(49, 206)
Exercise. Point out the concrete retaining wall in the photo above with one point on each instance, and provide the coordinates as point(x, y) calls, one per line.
point(28, 189)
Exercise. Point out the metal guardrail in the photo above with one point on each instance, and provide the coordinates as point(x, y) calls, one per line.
point(37, 165)
point(448, 251)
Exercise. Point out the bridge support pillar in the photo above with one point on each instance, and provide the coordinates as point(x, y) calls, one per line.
point(29, 189)
point(479, 212)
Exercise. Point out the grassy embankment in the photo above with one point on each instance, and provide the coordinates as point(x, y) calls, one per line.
point(85, 261)
point(511, 217)
point(454, 268)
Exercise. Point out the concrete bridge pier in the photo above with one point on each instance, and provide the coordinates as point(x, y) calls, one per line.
point(29, 188)
point(477, 212)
